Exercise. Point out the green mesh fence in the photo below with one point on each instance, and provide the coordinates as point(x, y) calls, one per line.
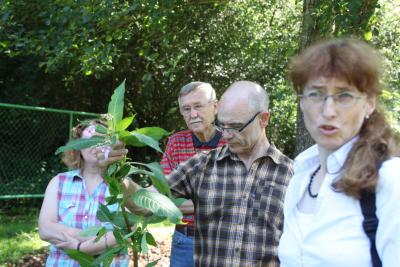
point(29, 137)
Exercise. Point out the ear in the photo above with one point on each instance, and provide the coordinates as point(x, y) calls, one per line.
point(215, 105)
point(264, 119)
point(371, 105)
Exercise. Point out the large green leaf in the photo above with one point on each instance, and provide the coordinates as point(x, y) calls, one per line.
point(85, 260)
point(81, 143)
point(137, 139)
point(116, 105)
point(157, 203)
point(150, 239)
point(156, 176)
point(154, 132)
point(154, 219)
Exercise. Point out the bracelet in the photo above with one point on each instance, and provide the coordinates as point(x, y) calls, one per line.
point(78, 247)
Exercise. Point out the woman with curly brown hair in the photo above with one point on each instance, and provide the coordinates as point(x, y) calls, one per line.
point(338, 85)
point(71, 202)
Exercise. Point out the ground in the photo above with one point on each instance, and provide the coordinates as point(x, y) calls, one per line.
point(162, 252)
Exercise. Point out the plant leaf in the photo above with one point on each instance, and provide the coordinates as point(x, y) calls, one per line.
point(85, 260)
point(91, 231)
point(116, 105)
point(150, 240)
point(178, 201)
point(101, 129)
point(159, 204)
point(124, 123)
point(154, 132)
point(78, 144)
point(143, 245)
point(103, 214)
point(108, 253)
point(152, 264)
point(154, 219)
point(137, 139)
point(158, 178)
point(118, 219)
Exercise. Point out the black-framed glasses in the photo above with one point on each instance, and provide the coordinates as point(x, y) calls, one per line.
point(238, 129)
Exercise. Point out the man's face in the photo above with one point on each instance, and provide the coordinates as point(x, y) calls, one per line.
point(197, 111)
point(235, 118)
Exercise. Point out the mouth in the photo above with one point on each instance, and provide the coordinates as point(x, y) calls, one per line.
point(328, 129)
point(194, 122)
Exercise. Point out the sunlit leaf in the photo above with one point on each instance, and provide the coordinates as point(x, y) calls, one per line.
point(81, 143)
point(108, 253)
point(139, 140)
point(143, 245)
point(157, 203)
point(116, 105)
point(154, 132)
point(124, 124)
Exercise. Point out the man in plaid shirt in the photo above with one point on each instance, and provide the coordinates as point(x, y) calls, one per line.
point(238, 189)
point(197, 104)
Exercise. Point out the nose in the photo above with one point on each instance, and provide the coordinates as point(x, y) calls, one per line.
point(329, 107)
point(226, 134)
point(193, 113)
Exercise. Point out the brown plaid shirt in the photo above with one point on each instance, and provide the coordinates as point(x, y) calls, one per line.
point(239, 212)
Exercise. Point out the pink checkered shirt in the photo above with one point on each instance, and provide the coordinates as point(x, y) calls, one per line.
point(77, 209)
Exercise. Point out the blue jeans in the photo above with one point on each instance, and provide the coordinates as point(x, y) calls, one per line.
point(181, 250)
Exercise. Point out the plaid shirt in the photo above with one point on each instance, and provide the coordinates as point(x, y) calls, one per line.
point(239, 214)
point(77, 209)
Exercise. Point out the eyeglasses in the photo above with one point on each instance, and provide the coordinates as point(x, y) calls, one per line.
point(238, 129)
point(344, 99)
point(186, 110)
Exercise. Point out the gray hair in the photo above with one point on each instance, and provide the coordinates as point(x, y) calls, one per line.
point(193, 86)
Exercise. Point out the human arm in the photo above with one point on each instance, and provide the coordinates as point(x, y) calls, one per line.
point(50, 229)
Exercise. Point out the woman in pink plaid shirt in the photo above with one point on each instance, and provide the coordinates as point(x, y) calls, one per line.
point(71, 202)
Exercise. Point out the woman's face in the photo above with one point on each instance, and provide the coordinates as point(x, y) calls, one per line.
point(89, 154)
point(334, 111)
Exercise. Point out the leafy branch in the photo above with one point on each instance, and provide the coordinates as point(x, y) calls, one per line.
point(129, 229)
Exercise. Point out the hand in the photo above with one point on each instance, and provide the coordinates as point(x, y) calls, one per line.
point(69, 242)
point(117, 152)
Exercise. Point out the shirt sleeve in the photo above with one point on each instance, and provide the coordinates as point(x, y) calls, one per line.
point(184, 179)
point(388, 212)
point(168, 163)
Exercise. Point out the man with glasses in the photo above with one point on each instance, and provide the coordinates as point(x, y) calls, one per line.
point(238, 189)
point(197, 104)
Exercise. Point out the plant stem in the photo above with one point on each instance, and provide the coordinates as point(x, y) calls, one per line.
point(128, 226)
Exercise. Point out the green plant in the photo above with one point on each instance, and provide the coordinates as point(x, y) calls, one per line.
point(162, 205)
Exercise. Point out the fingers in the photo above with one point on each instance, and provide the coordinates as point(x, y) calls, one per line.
point(111, 157)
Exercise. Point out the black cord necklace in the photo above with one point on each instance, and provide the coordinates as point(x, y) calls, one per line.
point(310, 183)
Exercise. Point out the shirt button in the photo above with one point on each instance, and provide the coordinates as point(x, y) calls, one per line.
point(86, 217)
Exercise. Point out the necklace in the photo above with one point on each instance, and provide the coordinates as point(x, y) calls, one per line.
point(310, 183)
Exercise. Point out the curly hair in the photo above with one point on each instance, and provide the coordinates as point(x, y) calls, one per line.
point(358, 64)
point(73, 158)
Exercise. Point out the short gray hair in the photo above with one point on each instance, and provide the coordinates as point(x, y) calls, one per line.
point(193, 86)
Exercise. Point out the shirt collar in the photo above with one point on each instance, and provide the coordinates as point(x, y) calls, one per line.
point(76, 174)
point(212, 143)
point(271, 152)
point(310, 157)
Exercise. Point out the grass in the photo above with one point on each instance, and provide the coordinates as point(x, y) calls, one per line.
point(18, 235)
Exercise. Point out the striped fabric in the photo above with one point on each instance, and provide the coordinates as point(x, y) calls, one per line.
point(77, 209)
point(181, 147)
point(239, 214)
